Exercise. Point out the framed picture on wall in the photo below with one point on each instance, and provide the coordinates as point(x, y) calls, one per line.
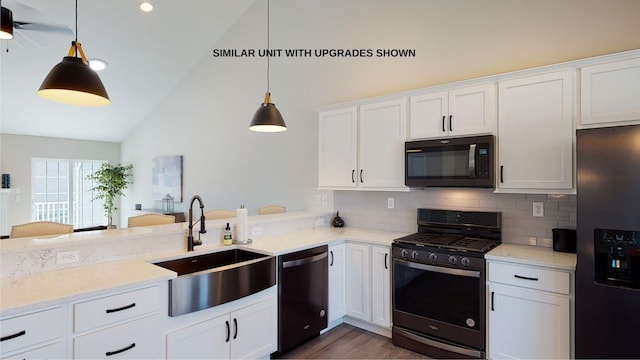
point(166, 177)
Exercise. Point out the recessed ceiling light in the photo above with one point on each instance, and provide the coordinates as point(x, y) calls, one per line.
point(97, 64)
point(146, 6)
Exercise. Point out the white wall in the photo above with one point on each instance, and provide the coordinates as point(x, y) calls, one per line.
point(205, 117)
point(17, 152)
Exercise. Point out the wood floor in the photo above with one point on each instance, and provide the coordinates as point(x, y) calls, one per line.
point(349, 342)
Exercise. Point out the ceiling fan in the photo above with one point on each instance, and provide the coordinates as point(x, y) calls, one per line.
point(23, 28)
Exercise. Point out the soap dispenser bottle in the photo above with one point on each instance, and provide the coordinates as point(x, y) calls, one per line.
point(228, 236)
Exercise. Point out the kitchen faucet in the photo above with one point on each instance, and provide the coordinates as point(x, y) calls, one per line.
point(190, 242)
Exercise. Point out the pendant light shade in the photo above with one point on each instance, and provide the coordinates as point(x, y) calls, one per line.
point(267, 118)
point(6, 24)
point(72, 81)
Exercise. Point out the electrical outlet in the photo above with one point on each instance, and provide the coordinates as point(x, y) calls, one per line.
point(318, 199)
point(319, 221)
point(533, 241)
point(391, 203)
point(546, 242)
point(324, 200)
point(256, 231)
point(68, 257)
point(538, 209)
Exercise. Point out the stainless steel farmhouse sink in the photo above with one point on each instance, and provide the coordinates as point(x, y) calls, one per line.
point(211, 279)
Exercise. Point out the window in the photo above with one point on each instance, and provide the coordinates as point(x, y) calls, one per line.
point(62, 193)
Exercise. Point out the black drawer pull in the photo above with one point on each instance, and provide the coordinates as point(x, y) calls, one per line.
point(109, 311)
point(525, 277)
point(331, 252)
point(492, 308)
point(361, 176)
point(443, 117)
point(353, 172)
point(13, 336)
point(235, 324)
point(386, 255)
point(109, 353)
point(228, 331)
point(450, 125)
point(501, 173)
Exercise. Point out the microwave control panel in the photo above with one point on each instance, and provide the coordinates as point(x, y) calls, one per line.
point(482, 165)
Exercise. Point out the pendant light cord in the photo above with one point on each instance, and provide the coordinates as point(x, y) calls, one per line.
point(268, 47)
point(76, 41)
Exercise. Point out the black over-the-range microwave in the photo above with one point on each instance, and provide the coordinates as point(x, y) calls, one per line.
point(453, 162)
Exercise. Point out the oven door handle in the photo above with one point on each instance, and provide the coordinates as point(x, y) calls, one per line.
point(439, 269)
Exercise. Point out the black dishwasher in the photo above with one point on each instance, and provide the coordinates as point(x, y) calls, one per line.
point(303, 282)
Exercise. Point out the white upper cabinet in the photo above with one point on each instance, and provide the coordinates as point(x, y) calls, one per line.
point(362, 147)
point(610, 93)
point(456, 112)
point(535, 133)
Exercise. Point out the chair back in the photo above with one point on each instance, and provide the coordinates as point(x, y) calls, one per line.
point(40, 228)
point(271, 209)
point(150, 219)
point(219, 214)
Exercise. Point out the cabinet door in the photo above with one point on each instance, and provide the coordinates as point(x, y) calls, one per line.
point(254, 330)
point(535, 132)
point(337, 306)
point(381, 286)
point(382, 137)
point(429, 115)
point(610, 92)
point(338, 147)
point(528, 324)
point(358, 280)
point(472, 110)
point(209, 339)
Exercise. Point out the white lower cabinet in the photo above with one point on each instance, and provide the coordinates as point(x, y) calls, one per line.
point(246, 333)
point(38, 334)
point(337, 298)
point(369, 284)
point(529, 312)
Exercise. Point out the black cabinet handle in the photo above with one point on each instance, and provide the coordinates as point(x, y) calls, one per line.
point(13, 336)
point(450, 123)
point(386, 255)
point(228, 331)
point(120, 308)
point(361, 177)
point(443, 117)
point(331, 252)
point(501, 173)
point(235, 324)
point(109, 353)
point(353, 173)
point(492, 309)
point(525, 277)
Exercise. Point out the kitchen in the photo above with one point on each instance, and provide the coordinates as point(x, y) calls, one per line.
point(289, 177)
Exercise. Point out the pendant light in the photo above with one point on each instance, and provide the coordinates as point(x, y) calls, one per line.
point(6, 24)
point(267, 118)
point(72, 81)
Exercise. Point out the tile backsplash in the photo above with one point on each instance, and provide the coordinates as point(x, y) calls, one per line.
point(368, 209)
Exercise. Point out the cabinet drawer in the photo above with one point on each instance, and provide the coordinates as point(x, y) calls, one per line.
point(530, 277)
point(30, 329)
point(111, 309)
point(138, 339)
point(51, 351)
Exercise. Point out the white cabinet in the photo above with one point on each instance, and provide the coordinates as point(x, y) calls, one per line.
point(362, 147)
point(126, 324)
point(247, 333)
point(457, 112)
point(381, 286)
point(535, 133)
point(369, 284)
point(337, 298)
point(529, 312)
point(34, 335)
point(610, 94)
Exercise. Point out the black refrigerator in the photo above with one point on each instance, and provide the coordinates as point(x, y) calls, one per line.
point(607, 323)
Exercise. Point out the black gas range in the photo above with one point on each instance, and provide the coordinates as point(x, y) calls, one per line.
point(439, 283)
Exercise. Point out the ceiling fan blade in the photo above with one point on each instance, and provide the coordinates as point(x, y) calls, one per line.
point(60, 29)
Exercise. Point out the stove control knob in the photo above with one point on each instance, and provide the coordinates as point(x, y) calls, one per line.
point(465, 261)
point(453, 260)
point(414, 254)
point(404, 253)
point(433, 257)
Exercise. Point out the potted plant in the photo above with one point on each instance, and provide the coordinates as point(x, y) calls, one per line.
point(110, 182)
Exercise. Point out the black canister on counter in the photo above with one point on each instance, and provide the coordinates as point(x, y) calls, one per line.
point(564, 240)
point(337, 220)
point(6, 181)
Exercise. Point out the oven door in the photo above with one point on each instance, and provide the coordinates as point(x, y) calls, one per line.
point(439, 301)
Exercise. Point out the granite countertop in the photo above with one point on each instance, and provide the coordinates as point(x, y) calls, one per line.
point(30, 292)
point(533, 255)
